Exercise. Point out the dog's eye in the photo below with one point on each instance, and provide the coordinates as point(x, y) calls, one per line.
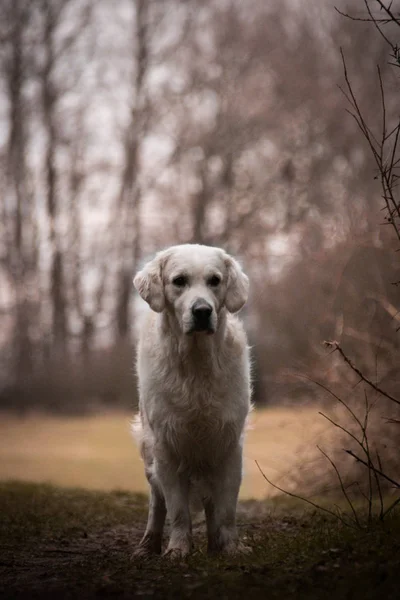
point(180, 281)
point(214, 281)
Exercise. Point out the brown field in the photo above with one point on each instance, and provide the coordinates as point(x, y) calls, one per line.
point(97, 452)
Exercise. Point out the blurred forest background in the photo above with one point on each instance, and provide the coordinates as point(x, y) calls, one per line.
point(132, 125)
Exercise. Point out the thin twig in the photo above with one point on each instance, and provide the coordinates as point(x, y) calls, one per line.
point(392, 163)
point(364, 445)
point(339, 426)
point(389, 12)
point(395, 483)
point(362, 19)
point(354, 101)
point(395, 128)
point(324, 387)
point(349, 502)
point(386, 171)
point(383, 107)
point(367, 452)
point(330, 512)
point(391, 507)
point(336, 345)
point(375, 22)
point(381, 512)
point(361, 492)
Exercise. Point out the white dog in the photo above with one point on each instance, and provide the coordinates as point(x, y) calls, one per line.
point(194, 393)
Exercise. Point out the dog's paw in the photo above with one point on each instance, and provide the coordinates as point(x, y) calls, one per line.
point(242, 549)
point(141, 552)
point(176, 553)
point(149, 546)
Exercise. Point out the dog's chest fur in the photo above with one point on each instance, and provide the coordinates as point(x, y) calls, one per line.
point(198, 417)
point(197, 394)
point(199, 420)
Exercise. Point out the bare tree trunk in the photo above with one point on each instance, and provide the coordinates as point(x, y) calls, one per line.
point(16, 185)
point(49, 99)
point(76, 178)
point(199, 210)
point(130, 192)
point(228, 184)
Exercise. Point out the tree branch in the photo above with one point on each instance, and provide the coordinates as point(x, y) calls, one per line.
point(336, 346)
point(330, 512)
point(370, 466)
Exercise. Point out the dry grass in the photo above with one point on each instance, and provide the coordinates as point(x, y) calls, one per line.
point(75, 543)
point(97, 452)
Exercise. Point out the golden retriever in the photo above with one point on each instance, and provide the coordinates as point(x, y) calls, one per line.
point(194, 394)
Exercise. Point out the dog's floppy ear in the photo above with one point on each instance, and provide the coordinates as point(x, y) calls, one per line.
point(238, 285)
point(148, 283)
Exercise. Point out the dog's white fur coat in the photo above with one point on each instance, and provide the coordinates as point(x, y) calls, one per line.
point(194, 394)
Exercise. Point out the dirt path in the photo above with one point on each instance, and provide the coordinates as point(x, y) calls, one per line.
point(57, 543)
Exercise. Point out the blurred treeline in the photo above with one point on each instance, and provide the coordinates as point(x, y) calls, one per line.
point(128, 126)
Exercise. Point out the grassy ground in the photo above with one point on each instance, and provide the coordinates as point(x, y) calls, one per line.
point(71, 543)
point(97, 452)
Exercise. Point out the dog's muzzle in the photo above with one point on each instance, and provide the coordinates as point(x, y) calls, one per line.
point(201, 312)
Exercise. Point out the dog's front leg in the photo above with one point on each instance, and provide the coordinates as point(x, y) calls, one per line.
point(152, 539)
point(220, 507)
point(175, 486)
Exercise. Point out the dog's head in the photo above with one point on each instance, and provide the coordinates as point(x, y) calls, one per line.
point(193, 283)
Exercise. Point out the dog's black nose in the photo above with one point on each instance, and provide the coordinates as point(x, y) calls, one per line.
point(201, 311)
